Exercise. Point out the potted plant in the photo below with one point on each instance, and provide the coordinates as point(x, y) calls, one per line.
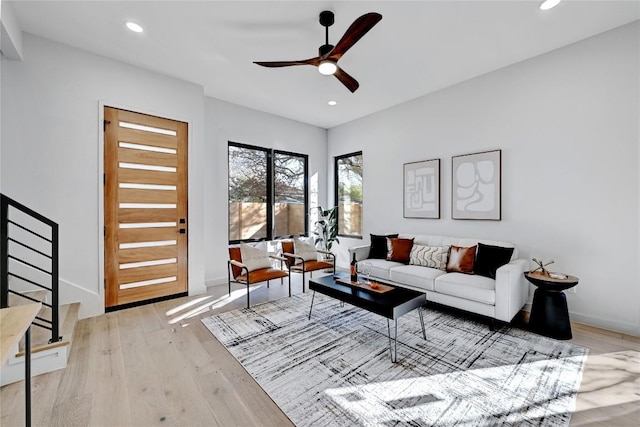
point(326, 227)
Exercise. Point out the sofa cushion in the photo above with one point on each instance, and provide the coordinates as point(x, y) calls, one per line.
point(378, 248)
point(380, 268)
point(461, 259)
point(399, 249)
point(471, 287)
point(433, 240)
point(414, 275)
point(489, 258)
point(429, 256)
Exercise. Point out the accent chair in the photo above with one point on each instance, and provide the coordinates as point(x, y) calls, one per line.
point(305, 259)
point(249, 273)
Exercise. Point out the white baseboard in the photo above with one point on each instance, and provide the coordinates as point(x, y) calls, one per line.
point(625, 328)
point(599, 322)
point(91, 303)
point(216, 282)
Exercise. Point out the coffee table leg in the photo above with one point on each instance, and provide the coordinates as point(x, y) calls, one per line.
point(424, 335)
point(312, 298)
point(392, 353)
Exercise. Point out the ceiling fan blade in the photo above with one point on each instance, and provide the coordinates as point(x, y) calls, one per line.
point(351, 83)
point(359, 28)
point(311, 61)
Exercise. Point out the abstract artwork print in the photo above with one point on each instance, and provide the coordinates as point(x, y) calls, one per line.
point(422, 189)
point(476, 186)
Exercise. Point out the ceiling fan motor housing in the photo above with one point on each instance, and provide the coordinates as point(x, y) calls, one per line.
point(325, 49)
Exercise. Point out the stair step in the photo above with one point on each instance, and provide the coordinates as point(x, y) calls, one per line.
point(45, 347)
point(46, 357)
point(40, 337)
point(39, 295)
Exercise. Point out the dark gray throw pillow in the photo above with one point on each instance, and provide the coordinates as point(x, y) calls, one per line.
point(490, 258)
point(378, 248)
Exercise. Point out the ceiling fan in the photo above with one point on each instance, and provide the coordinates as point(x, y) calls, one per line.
point(328, 55)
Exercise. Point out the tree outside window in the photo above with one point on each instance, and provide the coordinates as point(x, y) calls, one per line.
point(348, 191)
point(267, 193)
point(289, 173)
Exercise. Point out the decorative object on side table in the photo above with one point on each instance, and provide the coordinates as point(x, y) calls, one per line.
point(476, 181)
point(549, 311)
point(541, 265)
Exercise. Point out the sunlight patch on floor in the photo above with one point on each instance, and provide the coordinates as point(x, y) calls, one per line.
point(186, 305)
point(204, 304)
point(610, 379)
point(435, 396)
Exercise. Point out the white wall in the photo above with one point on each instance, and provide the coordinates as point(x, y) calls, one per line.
point(10, 33)
point(1, 62)
point(568, 126)
point(52, 154)
point(226, 122)
point(52, 150)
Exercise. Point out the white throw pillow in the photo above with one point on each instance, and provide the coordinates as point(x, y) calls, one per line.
point(429, 256)
point(305, 250)
point(254, 259)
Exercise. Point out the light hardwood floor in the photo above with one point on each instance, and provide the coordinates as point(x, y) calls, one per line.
point(135, 368)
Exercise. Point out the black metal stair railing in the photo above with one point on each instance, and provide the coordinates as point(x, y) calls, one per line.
point(23, 252)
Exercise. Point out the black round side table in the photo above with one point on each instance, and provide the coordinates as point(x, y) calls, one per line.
point(549, 312)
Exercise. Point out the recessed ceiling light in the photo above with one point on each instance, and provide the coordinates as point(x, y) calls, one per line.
point(332, 102)
point(548, 4)
point(136, 28)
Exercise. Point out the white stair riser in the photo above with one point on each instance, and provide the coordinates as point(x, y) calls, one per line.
point(41, 362)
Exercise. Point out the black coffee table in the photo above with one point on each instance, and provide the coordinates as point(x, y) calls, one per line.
point(391, 304)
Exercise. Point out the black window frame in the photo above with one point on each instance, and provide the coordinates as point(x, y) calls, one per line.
point(270, 154)
point(336, 194)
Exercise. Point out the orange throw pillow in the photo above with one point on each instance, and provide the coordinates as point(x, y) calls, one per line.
point(461, 260)
point(399, 250)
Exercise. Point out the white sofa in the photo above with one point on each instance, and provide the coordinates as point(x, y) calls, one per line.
point(499, 299)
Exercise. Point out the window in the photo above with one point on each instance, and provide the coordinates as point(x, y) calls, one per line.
point(290, 194)
point(348, 192)
point(267, 193)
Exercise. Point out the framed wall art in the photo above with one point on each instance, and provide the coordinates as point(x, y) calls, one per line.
point(421, 198)
point(476, 186)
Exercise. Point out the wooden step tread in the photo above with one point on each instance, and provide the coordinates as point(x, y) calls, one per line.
point(40, 348)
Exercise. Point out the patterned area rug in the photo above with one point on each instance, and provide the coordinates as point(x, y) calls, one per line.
point(335, 369)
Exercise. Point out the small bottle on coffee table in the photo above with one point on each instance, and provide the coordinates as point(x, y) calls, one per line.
point(354, 273)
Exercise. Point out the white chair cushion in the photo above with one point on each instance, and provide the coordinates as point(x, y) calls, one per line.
point(306, 250)
point(253, 258)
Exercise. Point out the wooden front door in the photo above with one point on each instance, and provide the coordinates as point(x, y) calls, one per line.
point(145, 203)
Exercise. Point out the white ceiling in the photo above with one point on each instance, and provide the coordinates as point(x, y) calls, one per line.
point(418, 47)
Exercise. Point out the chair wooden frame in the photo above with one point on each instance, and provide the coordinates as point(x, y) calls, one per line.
point(248, 278)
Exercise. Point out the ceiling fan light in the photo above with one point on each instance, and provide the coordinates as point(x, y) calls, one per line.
point(549, 4)
point(327, 68)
